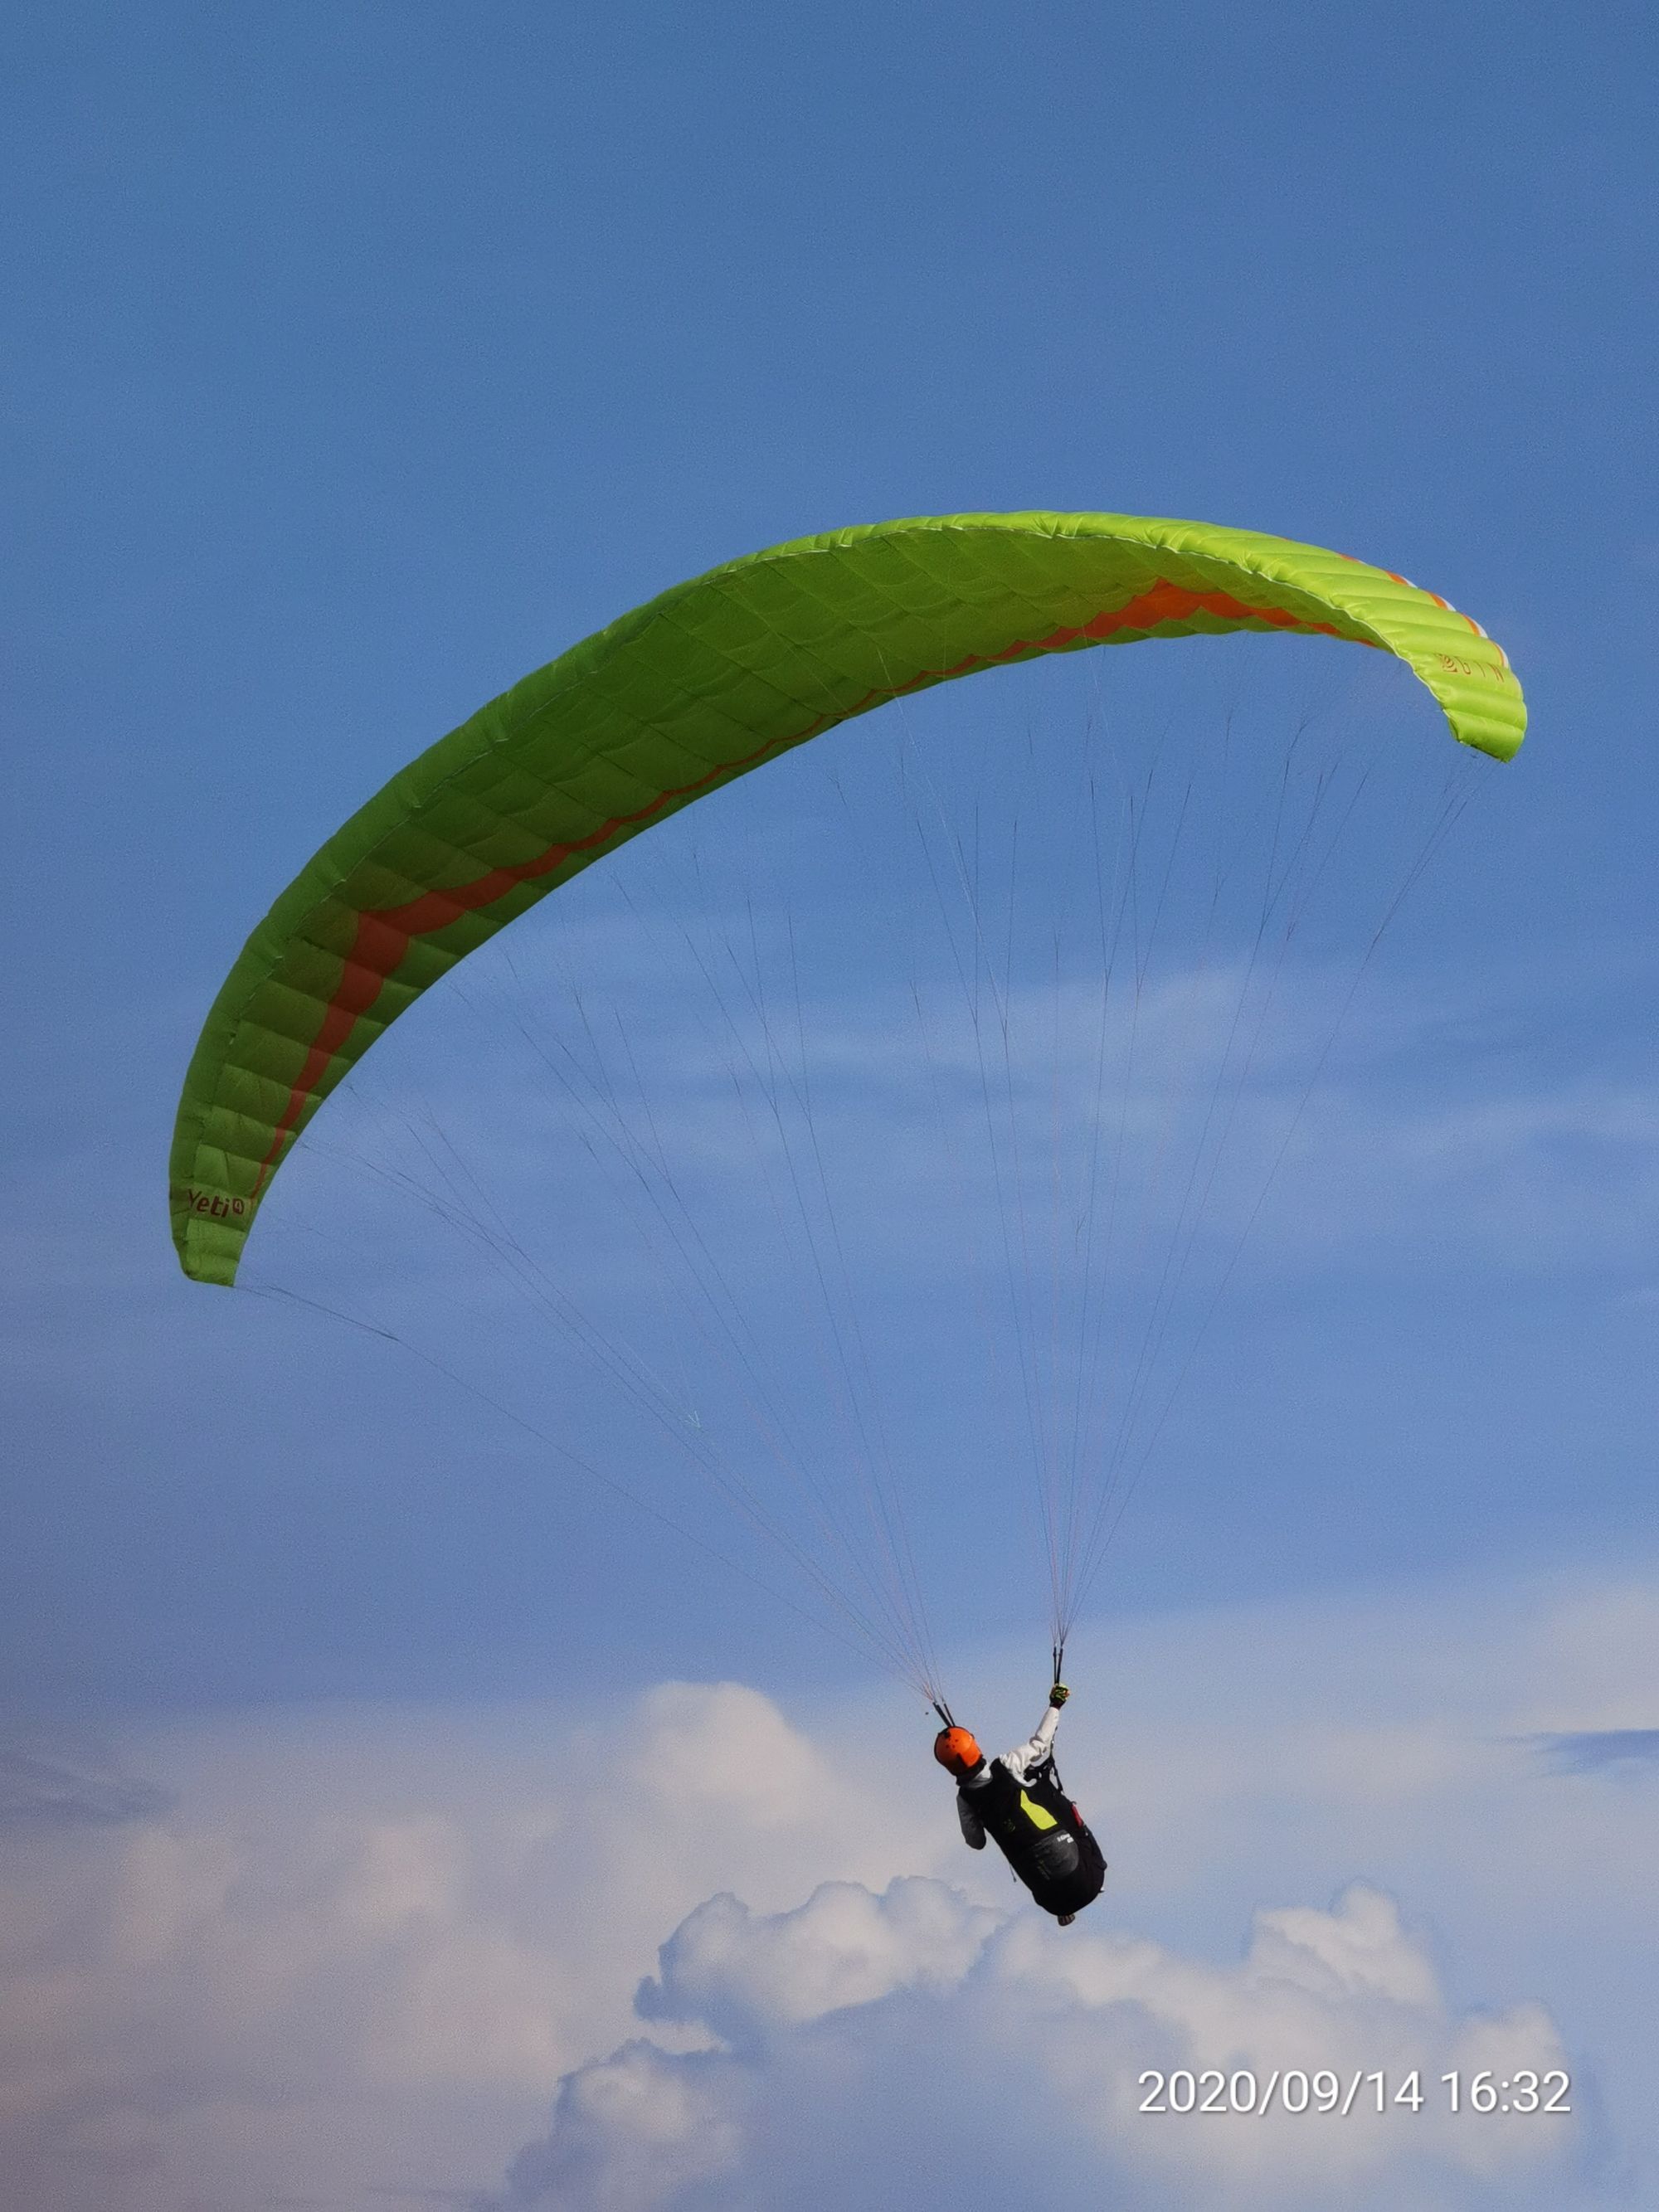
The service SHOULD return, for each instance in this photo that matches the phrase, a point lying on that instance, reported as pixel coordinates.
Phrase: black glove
(1059, 1694)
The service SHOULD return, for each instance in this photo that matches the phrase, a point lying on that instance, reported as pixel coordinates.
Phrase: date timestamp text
(1321, 2090)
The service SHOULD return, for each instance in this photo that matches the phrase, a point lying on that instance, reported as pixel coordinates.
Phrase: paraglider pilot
(1016, 1800)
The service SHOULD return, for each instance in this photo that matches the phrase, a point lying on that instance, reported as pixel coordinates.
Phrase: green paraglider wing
(677, 699)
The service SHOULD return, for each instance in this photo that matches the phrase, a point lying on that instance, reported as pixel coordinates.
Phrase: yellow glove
(1059, 1694)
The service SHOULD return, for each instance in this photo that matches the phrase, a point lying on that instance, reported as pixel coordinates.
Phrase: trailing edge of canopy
(678, 698)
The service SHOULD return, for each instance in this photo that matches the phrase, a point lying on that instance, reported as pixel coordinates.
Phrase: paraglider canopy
(678, 698)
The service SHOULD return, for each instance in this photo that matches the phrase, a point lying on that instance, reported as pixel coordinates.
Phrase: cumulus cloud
(361, 1948)
(356, 1953)
(739, 1975)
(999, 2062)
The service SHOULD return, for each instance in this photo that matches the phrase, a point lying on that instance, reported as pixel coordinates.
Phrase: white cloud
(1003, 2037)
(359, 1951)
(736, 1975)
(361, 1948)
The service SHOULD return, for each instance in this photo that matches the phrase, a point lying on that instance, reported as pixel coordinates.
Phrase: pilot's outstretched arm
(1031, 1754)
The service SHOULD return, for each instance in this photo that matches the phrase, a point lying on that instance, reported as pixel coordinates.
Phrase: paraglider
(683, 695)
(1017, 1798)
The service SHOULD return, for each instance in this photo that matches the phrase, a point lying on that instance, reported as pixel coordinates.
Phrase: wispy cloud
(46, 1782)
(1595, 1751)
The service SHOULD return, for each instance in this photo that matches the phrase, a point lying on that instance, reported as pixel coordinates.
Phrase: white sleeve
(973, 1828)
(1020, 1761)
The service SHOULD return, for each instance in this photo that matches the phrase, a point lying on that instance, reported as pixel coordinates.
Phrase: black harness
(1043, 1836)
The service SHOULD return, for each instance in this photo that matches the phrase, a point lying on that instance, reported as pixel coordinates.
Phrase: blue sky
(360, 358)
(361, 366)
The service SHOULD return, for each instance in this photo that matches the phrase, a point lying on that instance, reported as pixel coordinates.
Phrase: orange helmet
(957, 1749)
